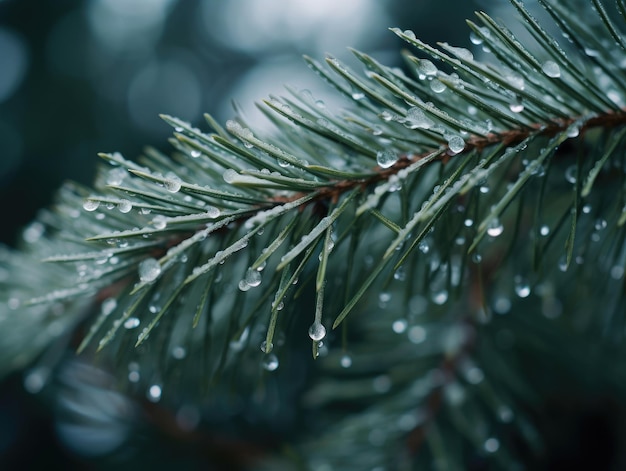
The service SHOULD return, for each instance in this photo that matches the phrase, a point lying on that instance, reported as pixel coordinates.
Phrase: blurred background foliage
(81, 77)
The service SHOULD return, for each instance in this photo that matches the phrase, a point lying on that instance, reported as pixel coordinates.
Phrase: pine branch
(427, 194)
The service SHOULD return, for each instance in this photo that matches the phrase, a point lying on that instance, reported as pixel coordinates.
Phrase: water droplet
(108, 306)
(36, 379)
(474, 375)
(522, 287)
(440, 297)
(495, 228)
(124, 206)
(179, 352)
(409, 34)
(456, 144)
(573, 131)
(570, 174)
(149, 270)
(134, 376)
(252, 278)
(116, 176)
(91, 205)
(505, 414)
(317, 331)
(230, 175)
(600, 224)
(517, 106)
(159, 222)
(131, 323)
(283, 163)
(415, 118)
(358, 95)
(266, 347)
(475, 39)
(423, 246)
(386, 158)
(400, 274)
(491, 445)
(502, 305)
(551, 69)
(154, 393)
(399, 326)
(195, 154)
(270, 362)
(426, 68)
(172, 182)
(437, 86)
(544, 230)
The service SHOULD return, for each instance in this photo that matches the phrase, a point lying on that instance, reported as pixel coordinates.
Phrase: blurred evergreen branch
(448, 239)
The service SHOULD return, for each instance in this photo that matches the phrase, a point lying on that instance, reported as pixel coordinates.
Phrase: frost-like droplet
(91, 205)
(172, 182)
(456, 144)
(270, 362)
(386, 158)
(551, 69)
(149, 270)
(495, 228)
(317, 331)
(124, 206)
(131, 323)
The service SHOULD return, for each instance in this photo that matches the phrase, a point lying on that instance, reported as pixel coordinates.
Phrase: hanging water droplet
(149, 270)
(495, 228)
(426, 68)
(131, 323)
(456, 144)
(252, 278)
(400, 274)
(317, 331)
(551, 69)
(270, 362)
(266, 347)
(345, 361)
(90, 205)
(517, 106)
(475, 39)
(124, 206)
(386, 158)
(172, 182)
(159, 222)
(154, 393)
(570, 174)
(544, 230)
(522, 287)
